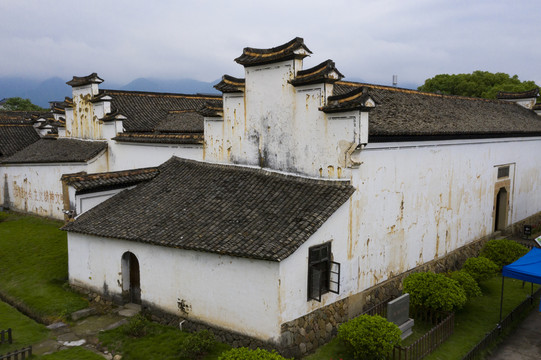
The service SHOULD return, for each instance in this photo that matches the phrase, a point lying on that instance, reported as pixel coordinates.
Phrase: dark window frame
(323, 273)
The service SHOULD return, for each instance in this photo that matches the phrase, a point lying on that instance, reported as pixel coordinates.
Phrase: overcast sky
(368, 40)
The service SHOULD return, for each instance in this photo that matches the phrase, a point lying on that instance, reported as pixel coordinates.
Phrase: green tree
(20, 104)
(481, 84)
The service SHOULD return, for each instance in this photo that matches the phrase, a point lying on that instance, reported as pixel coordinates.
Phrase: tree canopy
(481, 84)
(20, 104)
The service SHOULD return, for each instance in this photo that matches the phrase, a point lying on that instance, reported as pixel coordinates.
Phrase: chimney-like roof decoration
(357, 99)
(502, 95)
(85, 80)
(230, 84)
(211, 110)
(295, 49)
(325, 72)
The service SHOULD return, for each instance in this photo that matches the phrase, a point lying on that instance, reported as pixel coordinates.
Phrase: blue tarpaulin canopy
(527, 268)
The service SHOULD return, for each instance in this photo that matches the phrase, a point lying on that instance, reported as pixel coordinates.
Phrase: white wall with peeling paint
(37, 189)
(417, 202)
(276, 125)
(232, 293)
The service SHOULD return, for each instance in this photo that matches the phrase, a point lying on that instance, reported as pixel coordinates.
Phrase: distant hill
(185, 86)
(55, 89)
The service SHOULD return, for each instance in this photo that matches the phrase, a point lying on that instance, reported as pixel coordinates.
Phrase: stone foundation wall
(305, 334)
(518, 227)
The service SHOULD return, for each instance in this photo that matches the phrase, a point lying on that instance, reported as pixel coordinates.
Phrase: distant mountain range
(55, 88)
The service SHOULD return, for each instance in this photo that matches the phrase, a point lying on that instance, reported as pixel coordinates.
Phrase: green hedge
(369, 337)
(467, 282)
(480, 268)
(503, 251)
(435, 291)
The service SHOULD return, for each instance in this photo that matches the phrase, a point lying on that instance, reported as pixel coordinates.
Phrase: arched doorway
(131, 285)
(500, 218)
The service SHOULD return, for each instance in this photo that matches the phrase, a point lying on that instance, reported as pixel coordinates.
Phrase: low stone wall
(305, 334)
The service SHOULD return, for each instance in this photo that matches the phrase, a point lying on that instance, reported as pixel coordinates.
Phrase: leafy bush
(369, 337)
(480, 268)
(197, 344)
(243, 353)
(503, 251)
(136, 326)
(467, 282)
(434, 291)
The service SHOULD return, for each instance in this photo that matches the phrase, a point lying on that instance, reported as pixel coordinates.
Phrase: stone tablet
(398, 310)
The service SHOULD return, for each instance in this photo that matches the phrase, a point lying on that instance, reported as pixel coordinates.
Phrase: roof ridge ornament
(356, 99)
(294, 49)
(85, 80)
(230, 84)
(326, 72)
(518, 94)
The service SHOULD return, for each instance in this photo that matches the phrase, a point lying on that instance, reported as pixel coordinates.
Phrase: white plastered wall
(417, 202)
(37, 188)
(233, 293)
(125, 156)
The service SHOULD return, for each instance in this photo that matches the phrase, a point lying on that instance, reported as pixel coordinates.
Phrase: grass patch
(34, 267)
(158, 343)
(78, 353)
(25, 331)
(479, 316)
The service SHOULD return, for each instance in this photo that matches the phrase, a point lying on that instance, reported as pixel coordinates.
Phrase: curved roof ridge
(293, 49)
(518, 95)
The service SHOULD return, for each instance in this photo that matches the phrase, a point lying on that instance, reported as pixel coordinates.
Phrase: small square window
(503, 172)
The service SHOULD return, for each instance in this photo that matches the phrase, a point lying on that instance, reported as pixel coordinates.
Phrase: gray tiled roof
(410, 113)
(49, 150)
(83, 182)
(222, 209)
(145, 110)
(252, 56)
(16, 133)
(184, 121)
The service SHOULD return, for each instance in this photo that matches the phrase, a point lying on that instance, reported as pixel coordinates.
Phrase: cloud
(372, 40)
